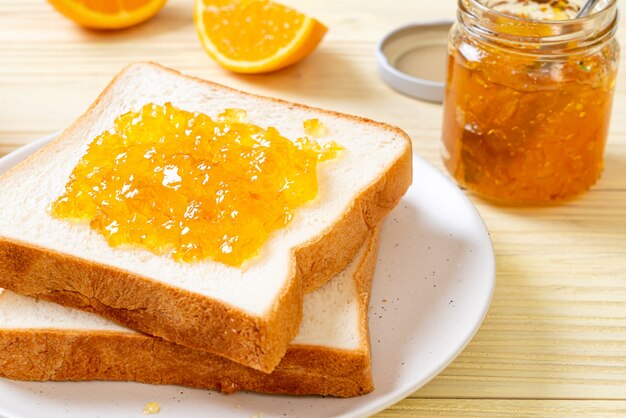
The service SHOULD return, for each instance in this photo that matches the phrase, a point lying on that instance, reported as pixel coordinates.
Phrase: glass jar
(528, 102)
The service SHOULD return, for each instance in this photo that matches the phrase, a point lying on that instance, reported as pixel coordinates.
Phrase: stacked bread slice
(44, 341)
(293, 320)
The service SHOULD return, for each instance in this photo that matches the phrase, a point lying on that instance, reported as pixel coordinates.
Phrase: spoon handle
(587, 8)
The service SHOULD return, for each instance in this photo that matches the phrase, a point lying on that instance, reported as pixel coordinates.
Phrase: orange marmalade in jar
(528, 97)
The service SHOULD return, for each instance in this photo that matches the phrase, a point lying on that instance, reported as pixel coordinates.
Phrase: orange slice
(255, 36)
(108, 14)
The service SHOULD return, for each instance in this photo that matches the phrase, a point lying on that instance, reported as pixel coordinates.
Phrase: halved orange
(255, 36)
(108, 14)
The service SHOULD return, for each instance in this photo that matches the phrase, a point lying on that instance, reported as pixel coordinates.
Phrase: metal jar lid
(412, 59)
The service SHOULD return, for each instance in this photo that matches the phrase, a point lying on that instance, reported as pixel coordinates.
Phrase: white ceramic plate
(433, 285)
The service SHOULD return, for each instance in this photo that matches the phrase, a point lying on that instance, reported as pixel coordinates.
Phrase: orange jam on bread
(314, 128)
(183, 183)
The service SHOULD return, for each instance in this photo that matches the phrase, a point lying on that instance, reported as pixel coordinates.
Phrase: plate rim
(394, 398)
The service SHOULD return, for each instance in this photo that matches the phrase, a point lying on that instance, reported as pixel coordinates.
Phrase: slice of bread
(330, 355)
(248, 314)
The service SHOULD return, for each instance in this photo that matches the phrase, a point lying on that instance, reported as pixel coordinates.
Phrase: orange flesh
(518, 130)
(181, 182)
(260, 28)
(112, 7)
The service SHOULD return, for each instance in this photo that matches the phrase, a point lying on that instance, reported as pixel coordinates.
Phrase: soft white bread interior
(42, 341)
(248, 314)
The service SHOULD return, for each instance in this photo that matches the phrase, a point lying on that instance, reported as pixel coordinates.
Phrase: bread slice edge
(76, 355)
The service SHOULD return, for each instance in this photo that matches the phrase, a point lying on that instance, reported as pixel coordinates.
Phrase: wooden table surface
(554, 340)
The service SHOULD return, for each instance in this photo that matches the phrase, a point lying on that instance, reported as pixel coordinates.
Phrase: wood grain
(499, 408)
(554, 341)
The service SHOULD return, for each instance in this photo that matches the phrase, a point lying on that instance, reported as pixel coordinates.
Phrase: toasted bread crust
(190, 319)
(141, 303)
(59, 355)
(54, 355)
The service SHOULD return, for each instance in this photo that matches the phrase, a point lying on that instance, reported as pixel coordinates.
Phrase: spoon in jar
(587, 8)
